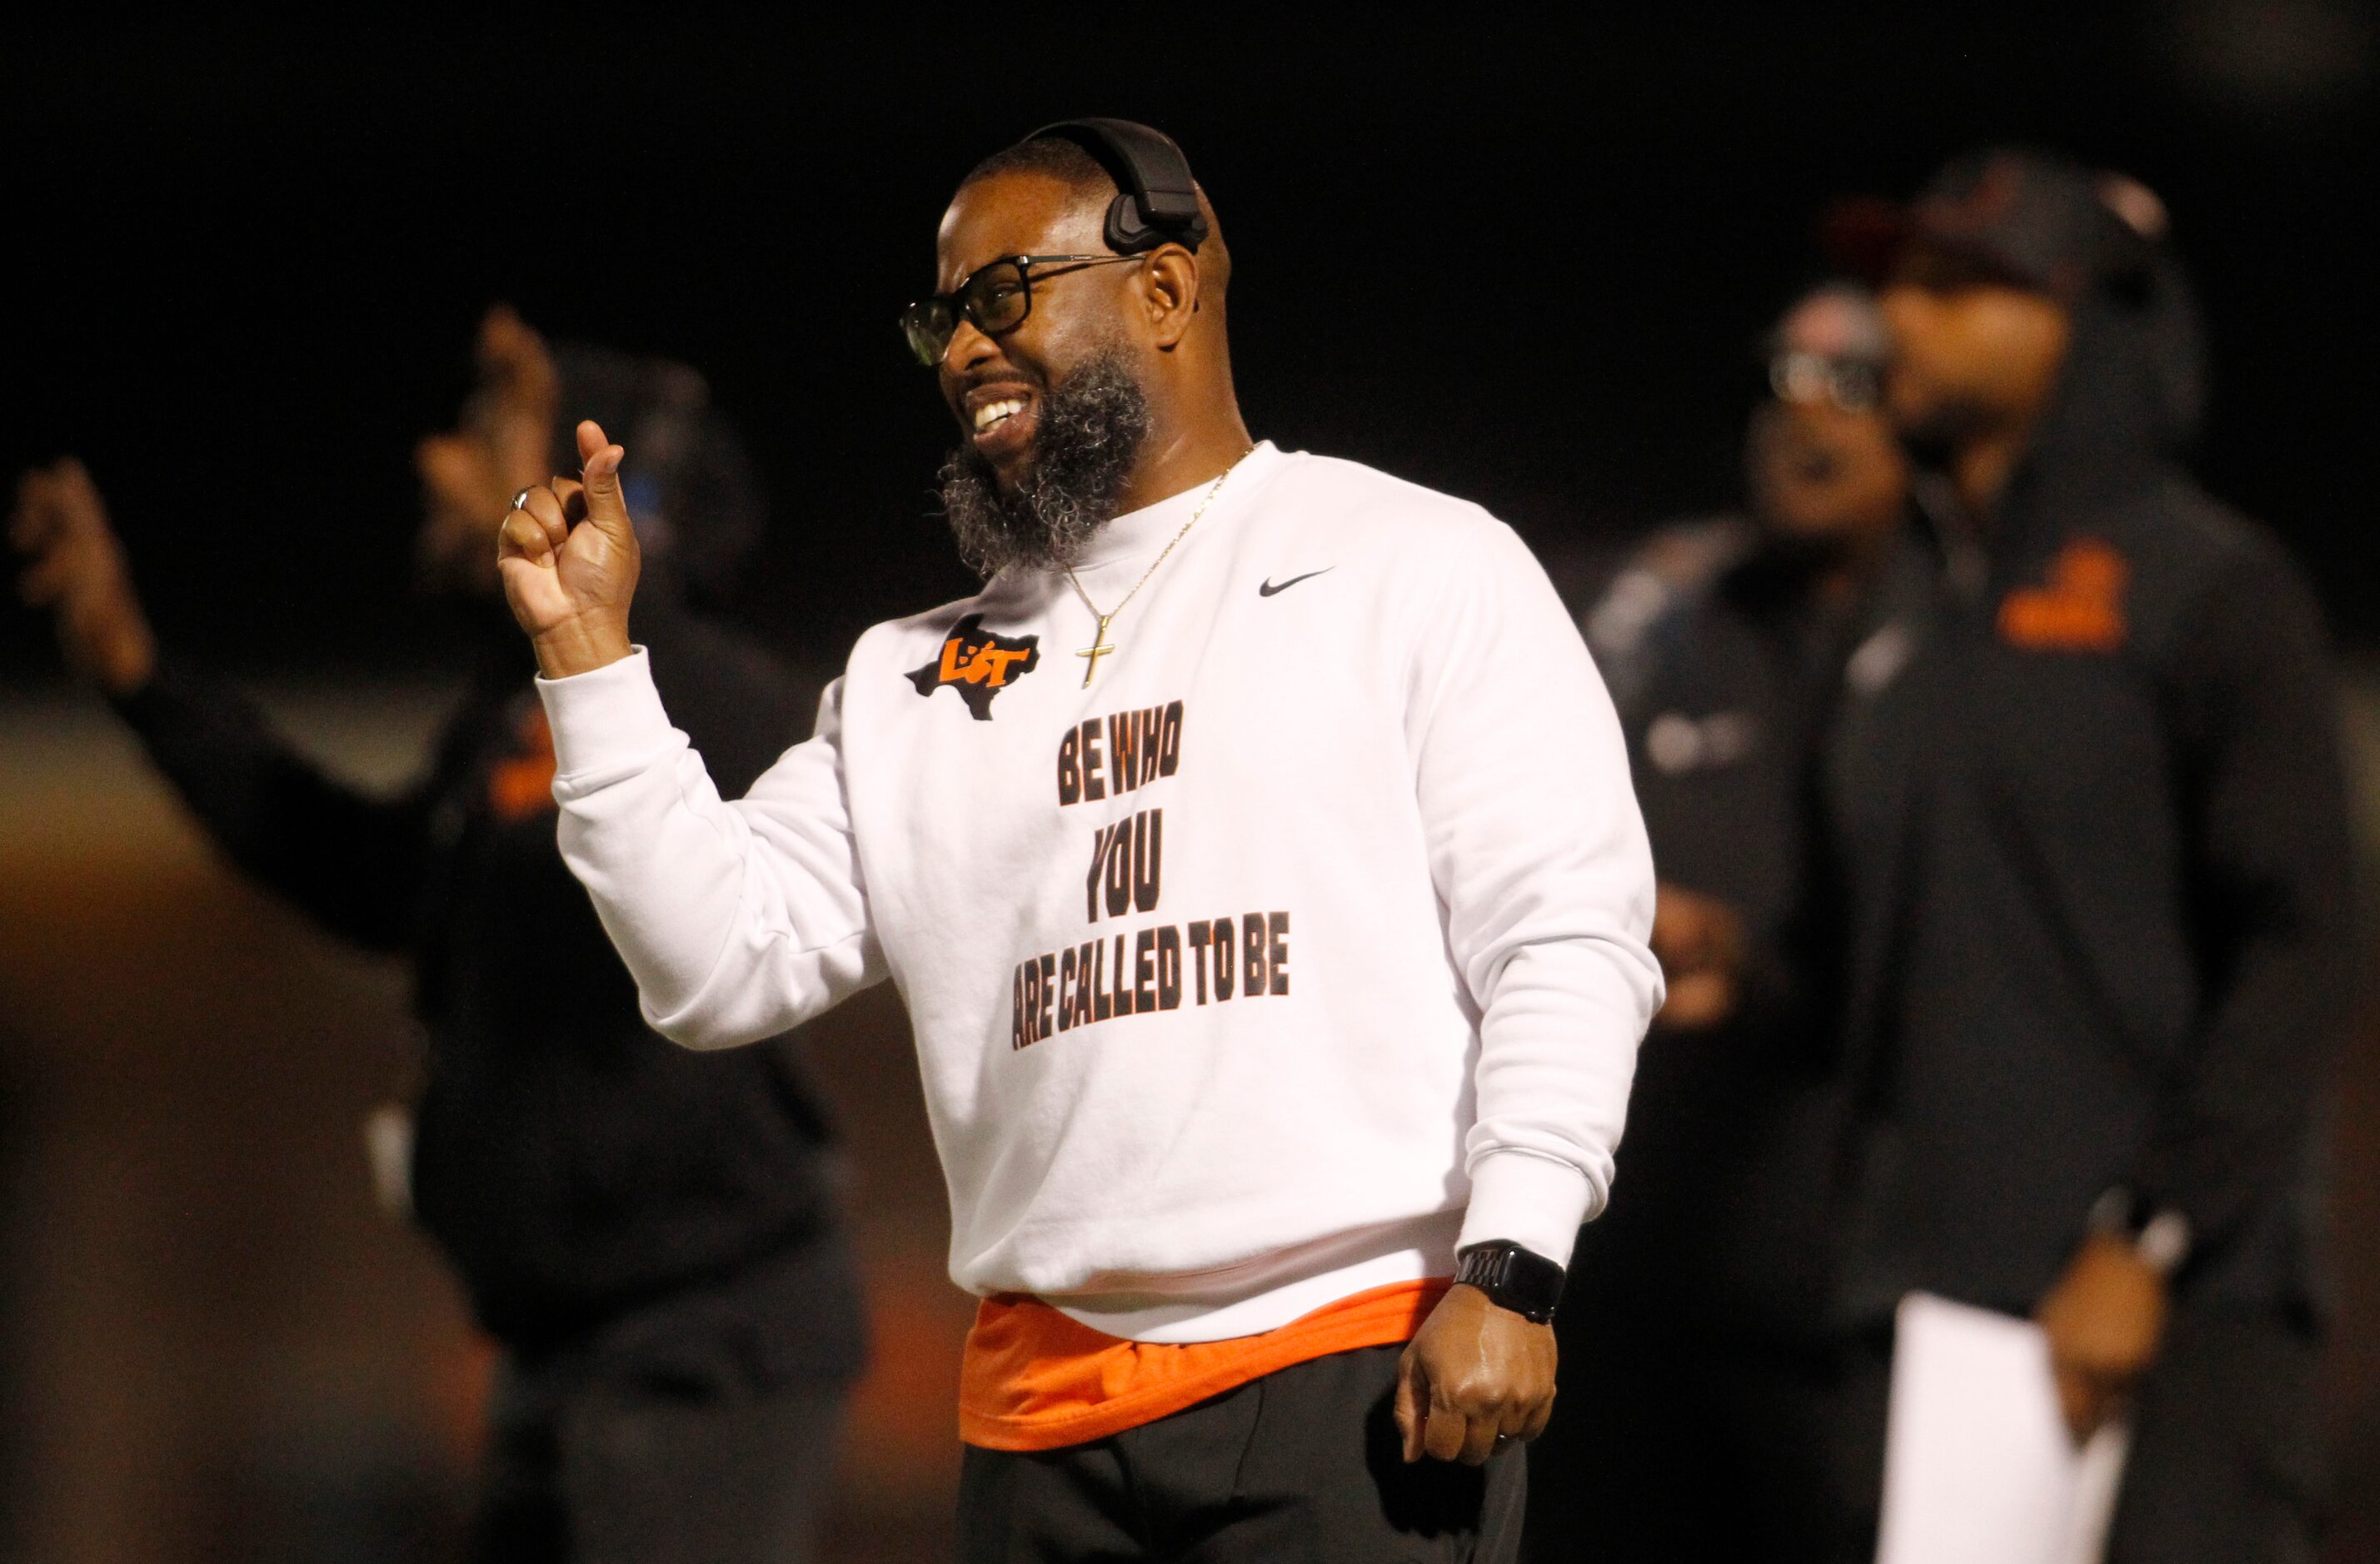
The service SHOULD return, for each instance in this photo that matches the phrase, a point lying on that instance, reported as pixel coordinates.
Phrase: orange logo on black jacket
(2080, 608)
(979, 663)
(520, 785)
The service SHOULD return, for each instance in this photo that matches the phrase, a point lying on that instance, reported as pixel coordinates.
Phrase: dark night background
(1519, 263)
(1522, 264)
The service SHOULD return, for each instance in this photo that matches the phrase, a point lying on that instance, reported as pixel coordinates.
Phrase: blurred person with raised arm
(652, 1235)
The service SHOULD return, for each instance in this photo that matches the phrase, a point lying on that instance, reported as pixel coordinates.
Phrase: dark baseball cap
(2034, 219)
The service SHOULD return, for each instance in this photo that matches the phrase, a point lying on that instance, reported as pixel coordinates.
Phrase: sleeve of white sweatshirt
(1539, 853)
(738, 920)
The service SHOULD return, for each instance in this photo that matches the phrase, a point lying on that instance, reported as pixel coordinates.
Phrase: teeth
(991, 413)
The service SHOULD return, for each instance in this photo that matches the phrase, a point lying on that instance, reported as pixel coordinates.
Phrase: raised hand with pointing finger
(568, 556)
(586, 1179)
(75, 567)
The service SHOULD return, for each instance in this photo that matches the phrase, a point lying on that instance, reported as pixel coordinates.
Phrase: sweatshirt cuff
(1535, 1201)
(155, 701)
(607, 723)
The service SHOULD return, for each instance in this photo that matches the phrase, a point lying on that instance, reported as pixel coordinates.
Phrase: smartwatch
(1514, 1277)
(2160, 1235)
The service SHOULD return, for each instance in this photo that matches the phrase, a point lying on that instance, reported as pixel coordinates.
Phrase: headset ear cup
(1126, 231)
(1139, 159)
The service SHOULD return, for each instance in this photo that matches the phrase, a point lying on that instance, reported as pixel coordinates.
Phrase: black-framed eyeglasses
(996, 296)
(1855, 385)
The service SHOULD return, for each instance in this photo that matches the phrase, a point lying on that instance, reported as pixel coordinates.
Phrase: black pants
(2226, 1466)
(585, 1467)
(1300, 1467)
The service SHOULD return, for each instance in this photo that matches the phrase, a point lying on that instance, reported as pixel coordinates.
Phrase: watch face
(1514, 1277)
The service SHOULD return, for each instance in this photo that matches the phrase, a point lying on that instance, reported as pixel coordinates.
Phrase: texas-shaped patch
(979, 663)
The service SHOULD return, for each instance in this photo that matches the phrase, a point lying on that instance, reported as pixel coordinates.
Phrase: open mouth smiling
(999, 420)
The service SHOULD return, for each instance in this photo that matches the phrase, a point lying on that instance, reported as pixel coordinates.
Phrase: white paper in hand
(1978, 1467)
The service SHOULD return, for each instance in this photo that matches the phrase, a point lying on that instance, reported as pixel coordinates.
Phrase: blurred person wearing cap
(1707, 1348)
(652, 1235)
(2092, 839)
(1257, 858)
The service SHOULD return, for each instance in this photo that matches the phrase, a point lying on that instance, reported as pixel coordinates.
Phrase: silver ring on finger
(520, 501)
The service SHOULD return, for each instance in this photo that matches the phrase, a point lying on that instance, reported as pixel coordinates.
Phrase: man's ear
(1169, 291)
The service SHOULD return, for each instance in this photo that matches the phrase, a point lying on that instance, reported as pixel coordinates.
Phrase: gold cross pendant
(1096, 649)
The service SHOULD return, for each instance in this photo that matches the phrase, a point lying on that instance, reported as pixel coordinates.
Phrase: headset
(1157, 201)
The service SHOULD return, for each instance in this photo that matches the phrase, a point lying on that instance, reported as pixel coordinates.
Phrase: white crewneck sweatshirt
(1303, 945)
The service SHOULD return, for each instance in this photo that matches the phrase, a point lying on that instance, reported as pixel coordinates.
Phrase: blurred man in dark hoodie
(1706, 1349)
(652, 1232)
(2091, 835)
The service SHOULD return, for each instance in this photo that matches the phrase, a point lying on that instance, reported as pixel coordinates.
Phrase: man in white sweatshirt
(1256, 856)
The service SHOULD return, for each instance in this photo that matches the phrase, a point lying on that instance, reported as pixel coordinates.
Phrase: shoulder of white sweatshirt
(1304, 945)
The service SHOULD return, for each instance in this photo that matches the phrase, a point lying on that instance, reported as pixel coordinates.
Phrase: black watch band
(2159, 1234)
(1514, 1277)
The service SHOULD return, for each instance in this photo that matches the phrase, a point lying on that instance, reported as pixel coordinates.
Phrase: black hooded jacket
(2093, 837)
(586, 1177)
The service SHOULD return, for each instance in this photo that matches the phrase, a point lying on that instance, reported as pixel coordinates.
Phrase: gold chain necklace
(1101, 646)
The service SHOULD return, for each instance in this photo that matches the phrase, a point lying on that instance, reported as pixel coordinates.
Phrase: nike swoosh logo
(1268, 589)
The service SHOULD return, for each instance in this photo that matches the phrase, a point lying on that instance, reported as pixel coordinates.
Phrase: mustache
(1003, 375)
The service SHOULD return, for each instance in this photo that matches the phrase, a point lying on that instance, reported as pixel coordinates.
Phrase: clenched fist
(569, 556)
(1475, 1375)
(75, 569)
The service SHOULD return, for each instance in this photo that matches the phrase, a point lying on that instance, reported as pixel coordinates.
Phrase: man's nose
(969, 349)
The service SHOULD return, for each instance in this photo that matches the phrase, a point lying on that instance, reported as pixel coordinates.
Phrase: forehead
(1835, 326)
(1023, 212)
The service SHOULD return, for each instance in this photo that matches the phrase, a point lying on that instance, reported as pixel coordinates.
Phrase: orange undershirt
(1034, 1379)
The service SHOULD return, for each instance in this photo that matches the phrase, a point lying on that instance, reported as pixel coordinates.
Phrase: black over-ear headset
(1157, 201)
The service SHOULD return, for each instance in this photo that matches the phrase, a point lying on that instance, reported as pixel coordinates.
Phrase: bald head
(1092, 189)
(1059, 157)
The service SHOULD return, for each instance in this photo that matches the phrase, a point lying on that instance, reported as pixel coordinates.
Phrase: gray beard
(1093, 428)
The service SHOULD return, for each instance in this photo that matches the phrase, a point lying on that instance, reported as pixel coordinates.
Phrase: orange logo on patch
(979, 663)
(2080, 608)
